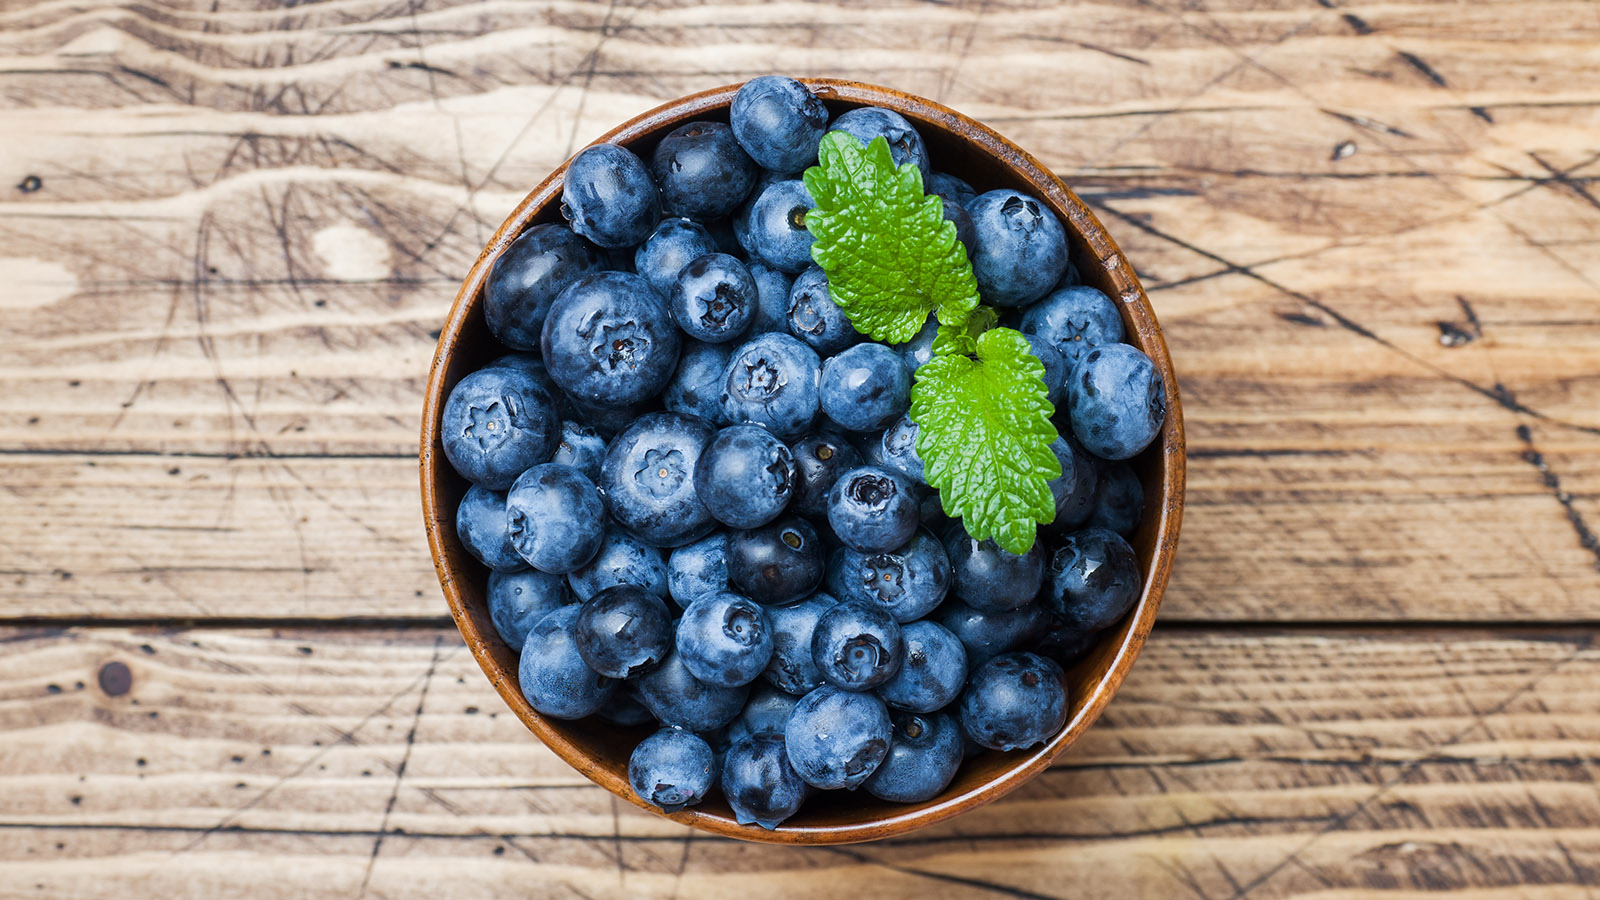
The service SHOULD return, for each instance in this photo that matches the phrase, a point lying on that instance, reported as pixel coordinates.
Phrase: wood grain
(345, 762)
(1371, 232)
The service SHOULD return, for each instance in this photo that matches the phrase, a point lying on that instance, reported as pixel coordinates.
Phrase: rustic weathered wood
(1259, 765)
(1370, 232)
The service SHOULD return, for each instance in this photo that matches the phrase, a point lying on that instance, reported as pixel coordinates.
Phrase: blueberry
(497, 423)
(933, 515)
(760, 784)
(1118, 499)
(778, 563)
(1118, 401)
(609, 340)
(917, 351)
(722, 234)
(556, 518)
(815, 318)
(966, 230)
(1056, 369)
(857, 645)
(607, 421)
(731, 734)
(868, 122)
(873, 508)
(767, 710)
(836, 738)
(648, 479)
(724, 639)
(702, 171)
(864, 388)
(625, 711)
(481, 525)
(609, 198)
(949, 187)
(833, 574)
(620, 560)
(792, 669)
(698, 568)
(1075, 319)
(554, 677)
(923, 758)
(672, 769)
(527, 277)
(1073, 490)
(739, 222)
(1014, 701)
(673, 244)
(776, 228)
(623, 631)
(772, 299)
(531, 364)
(676, 697)
(1094, 579)
(745, 476)
(714, 298)
(582, 448)
(933, 670)
(778, 121)
(988, 578)
(897, 449)
(819, 459)
(909, 581)
(771, 381)
(1064, 643)
(1022, 249)
(1071, 276)
(696, 388)
(988, 634)
(519, 599)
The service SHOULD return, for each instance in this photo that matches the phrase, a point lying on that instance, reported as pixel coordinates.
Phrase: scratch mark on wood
(1478, 721)
(400, 771)
(993, 887)
(949, 79)
(1452, 334)
(1357, 24)
(1097, 48)
(1369, 124)
(1531, 455)
(593, 62)
(1421, 65)
(1565, 179)
(1497, 394)
(420, 64)
(1302, 319)
(226, 823)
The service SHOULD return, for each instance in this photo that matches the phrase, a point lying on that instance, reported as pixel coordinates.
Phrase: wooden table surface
(228, 233)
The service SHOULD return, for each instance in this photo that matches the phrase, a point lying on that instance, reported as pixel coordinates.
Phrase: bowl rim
(1134, 303)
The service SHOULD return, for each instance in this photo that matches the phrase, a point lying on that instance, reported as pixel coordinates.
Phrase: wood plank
(1357, 762)
(205, 538)
(1371, 234)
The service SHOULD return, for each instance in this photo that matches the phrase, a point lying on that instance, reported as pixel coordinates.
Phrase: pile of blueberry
(698, 491)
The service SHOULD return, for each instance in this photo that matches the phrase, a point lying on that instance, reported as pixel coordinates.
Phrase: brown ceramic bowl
(977, 154)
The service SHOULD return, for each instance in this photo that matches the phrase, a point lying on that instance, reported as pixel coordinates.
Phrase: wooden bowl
(964, 148)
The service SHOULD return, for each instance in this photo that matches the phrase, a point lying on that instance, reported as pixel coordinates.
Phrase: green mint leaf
(890, 255)
(962, 337)
(984, 436)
